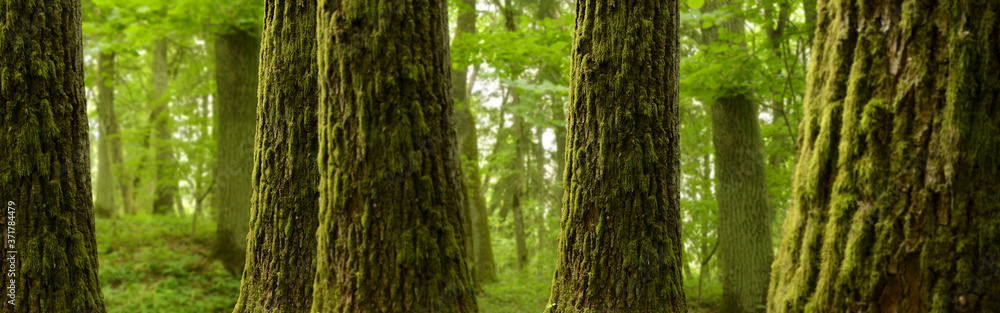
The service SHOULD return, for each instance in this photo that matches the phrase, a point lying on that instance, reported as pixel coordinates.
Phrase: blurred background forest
(157, 71)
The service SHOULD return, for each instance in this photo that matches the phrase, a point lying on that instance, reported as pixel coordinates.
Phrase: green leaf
(696, 4)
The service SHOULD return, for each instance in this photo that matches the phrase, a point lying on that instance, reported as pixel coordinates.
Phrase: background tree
(895, 193)
(236, 57)
(391, 236)
(281, 247)
(745, 217)
(483, 267)
(104, 204)
(46, 183)
(620, 249)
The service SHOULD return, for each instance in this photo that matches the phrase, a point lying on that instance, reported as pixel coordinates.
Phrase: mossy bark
(620, 246)
(483, 265)
(166, 180)
(45, 169)
(281, 246)
(896, 198)
(236, 62)
(390, 237)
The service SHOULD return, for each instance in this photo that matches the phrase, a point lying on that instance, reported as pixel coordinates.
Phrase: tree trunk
(484, 268)
(390, 237)
(104, 206)
(745, 247)
(281, 246)
(45, 181)
(518, 187)
(104, 202)
(620, 248)
(745, 217)
(110, 127)
(166, 180)
(895, 190)
(236, 59)
(520, 141)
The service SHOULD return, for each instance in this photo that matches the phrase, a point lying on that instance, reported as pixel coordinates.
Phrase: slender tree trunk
(745, 217)
(236, 58)
(390, 237)
(109, 119)
(166, 172)
(520, 141)
(896, 191)
(107, 163)
(484, 268)
(104, 204)
(281, 247)
(45, 181)
(620, 248)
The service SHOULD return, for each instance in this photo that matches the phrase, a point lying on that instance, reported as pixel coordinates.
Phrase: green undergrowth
(156, 264)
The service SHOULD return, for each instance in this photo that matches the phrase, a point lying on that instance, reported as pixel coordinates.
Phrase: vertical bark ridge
(896, 195)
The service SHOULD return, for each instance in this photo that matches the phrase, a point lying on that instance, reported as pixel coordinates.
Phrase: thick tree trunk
(895, 191)
(45, 180)
(236, 58)
(620, 248)
(166, 179)
(483, 268)
(281, 247)
(390, 237)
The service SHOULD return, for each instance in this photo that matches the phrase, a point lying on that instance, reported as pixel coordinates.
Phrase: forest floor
(160, 264)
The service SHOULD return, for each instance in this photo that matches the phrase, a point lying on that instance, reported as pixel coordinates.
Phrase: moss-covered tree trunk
(896, 198)
(50, 253)
(620, 246)
(236, 63)
(483, 265)
(390, 237)
(166, 180)
(281, 246)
